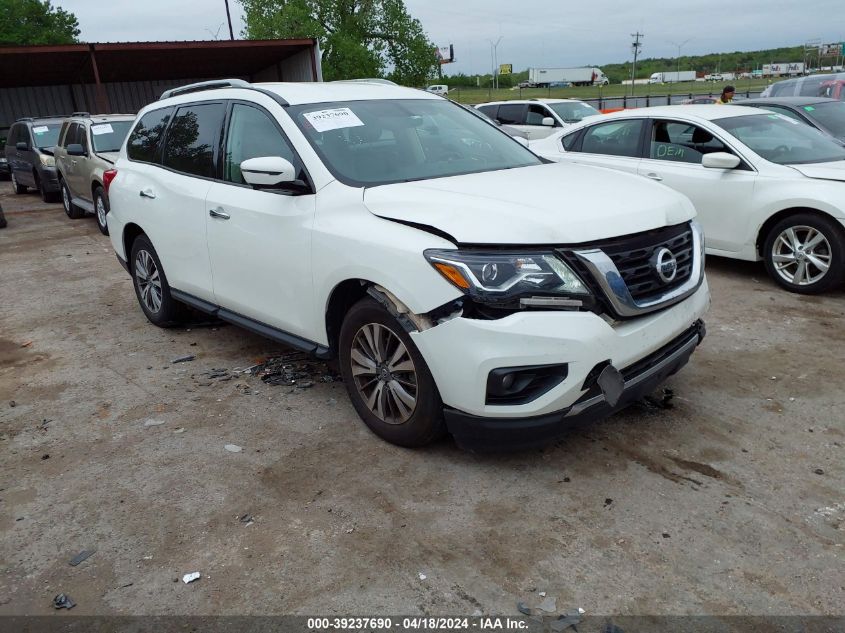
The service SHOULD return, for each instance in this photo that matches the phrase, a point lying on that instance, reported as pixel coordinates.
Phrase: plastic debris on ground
(184, 359)
(570, 619)
(233, 448)
(524, 609)
(152, 422)
(549, 605)
(81, 556)
(295, 369)
(63, 601)
(423, 576)
(188, 578)
(246, 519)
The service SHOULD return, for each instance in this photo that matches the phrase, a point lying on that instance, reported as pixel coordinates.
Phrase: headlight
(47, 161)
(504, 277)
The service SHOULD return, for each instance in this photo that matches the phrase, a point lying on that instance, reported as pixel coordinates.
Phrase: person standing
(727, 95)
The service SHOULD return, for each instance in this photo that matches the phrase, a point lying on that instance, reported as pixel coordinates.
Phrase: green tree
(359, 38)
(36, 22)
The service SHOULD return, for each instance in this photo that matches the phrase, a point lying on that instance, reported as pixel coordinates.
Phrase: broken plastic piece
(187, 578)
(184, 359)
(63, 601)
(549, 605)
(233, 448)
(524, 608)
(81, 556)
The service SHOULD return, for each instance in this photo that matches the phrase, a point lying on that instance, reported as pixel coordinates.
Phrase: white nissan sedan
(765, 186)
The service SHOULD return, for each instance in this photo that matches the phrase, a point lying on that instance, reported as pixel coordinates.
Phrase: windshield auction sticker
(334, 119)
(101, 128)
(40, 129)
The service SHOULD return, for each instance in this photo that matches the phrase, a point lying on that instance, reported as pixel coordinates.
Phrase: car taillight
(108, 176)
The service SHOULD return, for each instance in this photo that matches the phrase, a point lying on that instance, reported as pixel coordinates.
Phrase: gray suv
(88, 146)
(29, 152)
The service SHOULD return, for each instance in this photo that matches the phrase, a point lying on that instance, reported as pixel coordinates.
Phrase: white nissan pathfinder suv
(463, 283)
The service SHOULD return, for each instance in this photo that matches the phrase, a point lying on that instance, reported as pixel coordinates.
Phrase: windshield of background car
(46, 134)
(573, 112)
(108, 137)
(831, 116)
(781, 140)
(367, 143)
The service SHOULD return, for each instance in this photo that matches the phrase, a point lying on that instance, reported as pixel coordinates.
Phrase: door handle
(654, 176)
(218, 213)
(147, 193)
(73, 162)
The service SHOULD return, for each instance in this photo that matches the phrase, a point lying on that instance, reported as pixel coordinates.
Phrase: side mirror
(548, 121)
(75, 149)
(21, 146)
(522, 141)
(720, 160)
(267, 171)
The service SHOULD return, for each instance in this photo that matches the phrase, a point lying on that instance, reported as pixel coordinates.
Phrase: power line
(636, 45)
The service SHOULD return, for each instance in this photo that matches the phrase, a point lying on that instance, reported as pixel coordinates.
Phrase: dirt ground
(731, 502)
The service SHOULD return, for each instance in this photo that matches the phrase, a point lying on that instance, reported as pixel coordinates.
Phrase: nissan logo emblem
(666, 265)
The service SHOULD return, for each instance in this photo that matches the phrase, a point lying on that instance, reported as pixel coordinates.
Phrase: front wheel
(805, 253)
(387, 379)
(151, 287)
(19, 188)
(101, 207)
(46, 196)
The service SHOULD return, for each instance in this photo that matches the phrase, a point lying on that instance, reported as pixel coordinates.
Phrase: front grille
(633, 257)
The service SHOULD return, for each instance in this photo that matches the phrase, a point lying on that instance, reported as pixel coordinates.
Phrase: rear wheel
(101, 208)
(805, 253)
(387, 379)
(151, 287)
(72, 211)
(19, 188)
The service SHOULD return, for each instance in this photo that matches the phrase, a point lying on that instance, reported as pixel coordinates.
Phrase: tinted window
(489, 110)
(783, 111)
(251, 134)
(512, 113)
(617, 138)
(830, 115)
(63, 136)
(568, 141)
(536, 114)
(193, 139)
(145, 140)
(108, 136)
(682, 143)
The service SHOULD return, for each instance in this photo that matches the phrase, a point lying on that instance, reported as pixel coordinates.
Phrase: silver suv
(88, 146)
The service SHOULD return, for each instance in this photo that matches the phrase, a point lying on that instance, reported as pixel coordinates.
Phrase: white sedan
(765, 186)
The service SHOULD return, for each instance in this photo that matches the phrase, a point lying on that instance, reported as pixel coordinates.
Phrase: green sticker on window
(809, 108)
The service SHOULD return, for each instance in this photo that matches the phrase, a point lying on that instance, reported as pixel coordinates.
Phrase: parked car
(88, 146)
(765, 187)
(453, 273)
(440, 89)
(526, 84)
(29, 152)
(826, 115)
(538, 117)
(4, 164)
(831, 85)
(507, 129)
(700, 100)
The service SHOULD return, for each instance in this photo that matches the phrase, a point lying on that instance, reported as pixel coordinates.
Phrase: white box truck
(671, 77)
(544, 77)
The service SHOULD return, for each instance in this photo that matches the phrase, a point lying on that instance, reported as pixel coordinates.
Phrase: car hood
(109, 156)
(823, 171)
(545, 204)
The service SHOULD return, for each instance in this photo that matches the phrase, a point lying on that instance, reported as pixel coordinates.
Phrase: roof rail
(80, 114)
(25, 118)
(205, 85)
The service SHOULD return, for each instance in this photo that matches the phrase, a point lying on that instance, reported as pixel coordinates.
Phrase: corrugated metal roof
(141, 61)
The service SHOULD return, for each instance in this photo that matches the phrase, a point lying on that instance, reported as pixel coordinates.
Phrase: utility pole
(636, 46)
(680, 46)
(494, 59)
(229, 18)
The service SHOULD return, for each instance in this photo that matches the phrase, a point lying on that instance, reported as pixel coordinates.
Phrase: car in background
(439, 89)
(538, 117)
(765, 186)
(507, 129)
(826, 115)
(830, 85)
(29, 152)
(88, 146)
(434, 256)
(703, 100)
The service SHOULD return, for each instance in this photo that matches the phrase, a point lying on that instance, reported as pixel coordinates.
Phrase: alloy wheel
(801, 255)
(65, 198)
(101, 211)
(149, 281)
(384, 373)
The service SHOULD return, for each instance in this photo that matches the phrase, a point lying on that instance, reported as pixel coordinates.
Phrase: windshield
(46, 135)
(830, 115)
(573, 112)
(366, 143)
(781, 140)
(108, 137)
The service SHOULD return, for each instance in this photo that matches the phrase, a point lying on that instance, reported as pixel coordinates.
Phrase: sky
(532, 33)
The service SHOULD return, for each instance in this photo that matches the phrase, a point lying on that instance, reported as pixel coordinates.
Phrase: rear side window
(193, 139)
(489, 110)
(568, 141)
(145, 140)
(615, 138)
(511, 113)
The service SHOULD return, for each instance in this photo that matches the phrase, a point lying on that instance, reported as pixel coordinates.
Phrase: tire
(407, 409)
(805, 274)
(72, 211)
(151, 287)
(101, 210)
(46, 196)
(17, 187)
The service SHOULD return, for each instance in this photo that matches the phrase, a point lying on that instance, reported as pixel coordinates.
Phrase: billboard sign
(505, 69)
(445, 54)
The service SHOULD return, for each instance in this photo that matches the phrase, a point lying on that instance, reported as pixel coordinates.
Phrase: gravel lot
(731, 502)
